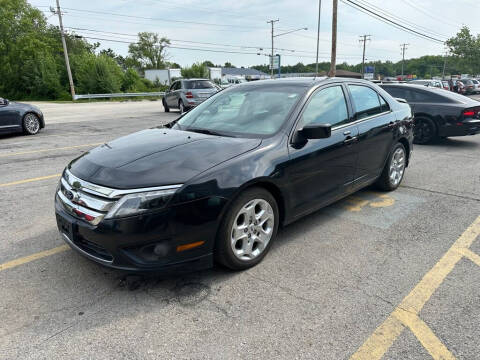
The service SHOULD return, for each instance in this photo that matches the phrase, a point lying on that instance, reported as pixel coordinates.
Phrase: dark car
(17, 117)
(219, 181)
(438, 113)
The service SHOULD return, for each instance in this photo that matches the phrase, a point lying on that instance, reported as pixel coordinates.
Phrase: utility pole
(271, 58)
(404, 47)
(333, 59)
(65, 52)
(364, 39)
(444, 65)
(318, 34)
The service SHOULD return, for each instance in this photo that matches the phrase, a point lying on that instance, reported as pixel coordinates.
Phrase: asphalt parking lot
(377, 274)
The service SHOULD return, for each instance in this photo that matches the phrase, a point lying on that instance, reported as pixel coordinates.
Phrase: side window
(172, 87)
(383, 104)
(366, 101)
(327, 106)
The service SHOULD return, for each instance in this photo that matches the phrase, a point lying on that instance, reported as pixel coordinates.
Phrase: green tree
(197, 70)
(466, 48)
(150, 51)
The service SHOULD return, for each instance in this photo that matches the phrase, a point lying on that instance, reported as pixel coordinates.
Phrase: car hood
(156, 157)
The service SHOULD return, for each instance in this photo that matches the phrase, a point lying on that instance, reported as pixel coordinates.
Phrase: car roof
(438, 91)
(195, 79)
(306, 81)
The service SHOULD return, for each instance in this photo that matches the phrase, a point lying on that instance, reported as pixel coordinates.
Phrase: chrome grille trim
(71, 207)
(84, 199)
(109, 192)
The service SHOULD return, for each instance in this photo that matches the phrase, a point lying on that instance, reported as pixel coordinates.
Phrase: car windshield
(199, 84)
(243, 110)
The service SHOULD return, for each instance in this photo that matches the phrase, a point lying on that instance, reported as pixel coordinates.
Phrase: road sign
(368, 76)
(276, 62)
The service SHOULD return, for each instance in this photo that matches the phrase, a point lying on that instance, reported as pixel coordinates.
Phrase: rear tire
(394, 170)
(31, 124)
(181, 107)
(248, 229)
(424, 131)
(165, 106)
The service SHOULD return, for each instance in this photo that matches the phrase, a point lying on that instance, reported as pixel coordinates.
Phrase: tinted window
(172, 87)
(365, 100)
(199, 84)
(327, 106)
(396, 92)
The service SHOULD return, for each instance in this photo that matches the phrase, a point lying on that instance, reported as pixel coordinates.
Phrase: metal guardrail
(117, 95)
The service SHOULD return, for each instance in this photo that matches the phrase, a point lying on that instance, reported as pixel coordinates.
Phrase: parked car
(438, 113)
(17, 117)
(187, 93)
(429, 83)
(227, 82)
(216, 183)
(476, 85)
(469, 86)
(446, 85)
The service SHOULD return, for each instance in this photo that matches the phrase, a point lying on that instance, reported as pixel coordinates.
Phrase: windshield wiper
(205, 131)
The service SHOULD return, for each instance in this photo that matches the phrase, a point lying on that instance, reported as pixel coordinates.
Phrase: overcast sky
(244, 23)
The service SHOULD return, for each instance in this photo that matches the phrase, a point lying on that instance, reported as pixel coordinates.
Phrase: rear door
(322, 170)
(376, 128)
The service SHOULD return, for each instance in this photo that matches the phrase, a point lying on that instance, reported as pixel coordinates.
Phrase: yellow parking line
(36, 256)
(50, 149)
(469, 254)
(424, 334)
(383, 337)
(29, 180)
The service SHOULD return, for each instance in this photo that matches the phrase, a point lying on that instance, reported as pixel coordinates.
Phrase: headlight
(134, 204)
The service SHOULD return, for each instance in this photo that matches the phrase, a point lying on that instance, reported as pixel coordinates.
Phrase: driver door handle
(350, 139)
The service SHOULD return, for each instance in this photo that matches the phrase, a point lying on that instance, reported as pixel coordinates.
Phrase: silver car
(187, 93)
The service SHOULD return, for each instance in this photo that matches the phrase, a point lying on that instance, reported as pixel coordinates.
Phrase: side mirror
(319, 131)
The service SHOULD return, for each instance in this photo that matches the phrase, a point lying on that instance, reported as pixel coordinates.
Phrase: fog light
(160, 249)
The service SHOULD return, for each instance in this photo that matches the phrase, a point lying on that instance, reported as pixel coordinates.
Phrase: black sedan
(218, 182)
(438, 113)
(17, 117)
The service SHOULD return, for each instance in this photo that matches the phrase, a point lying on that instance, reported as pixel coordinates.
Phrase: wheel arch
(407, 146)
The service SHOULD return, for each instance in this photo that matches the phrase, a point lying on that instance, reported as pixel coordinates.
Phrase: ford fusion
(216, 184)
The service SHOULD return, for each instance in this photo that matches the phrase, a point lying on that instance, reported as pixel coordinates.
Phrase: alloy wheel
(397, 166)
(32, 125)
(423, 132)
(252, 229)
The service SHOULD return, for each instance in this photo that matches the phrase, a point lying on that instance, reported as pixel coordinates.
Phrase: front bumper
(147, 242)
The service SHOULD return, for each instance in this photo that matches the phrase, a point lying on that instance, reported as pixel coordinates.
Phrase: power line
(402, 20)
(389, 21)
(162, 19)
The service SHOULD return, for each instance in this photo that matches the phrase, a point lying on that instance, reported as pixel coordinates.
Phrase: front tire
(31, 124)
(165, 106)
(247, 230)
(394, 170)
(424, 131)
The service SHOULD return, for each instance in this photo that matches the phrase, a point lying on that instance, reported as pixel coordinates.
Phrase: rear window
(199, 84)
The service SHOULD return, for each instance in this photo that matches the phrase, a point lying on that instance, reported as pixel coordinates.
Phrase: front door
(9, 117)
(322, 170)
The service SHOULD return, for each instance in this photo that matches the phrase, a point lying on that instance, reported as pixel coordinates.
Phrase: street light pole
(271, 58)
(65, 52)
(318, 34)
